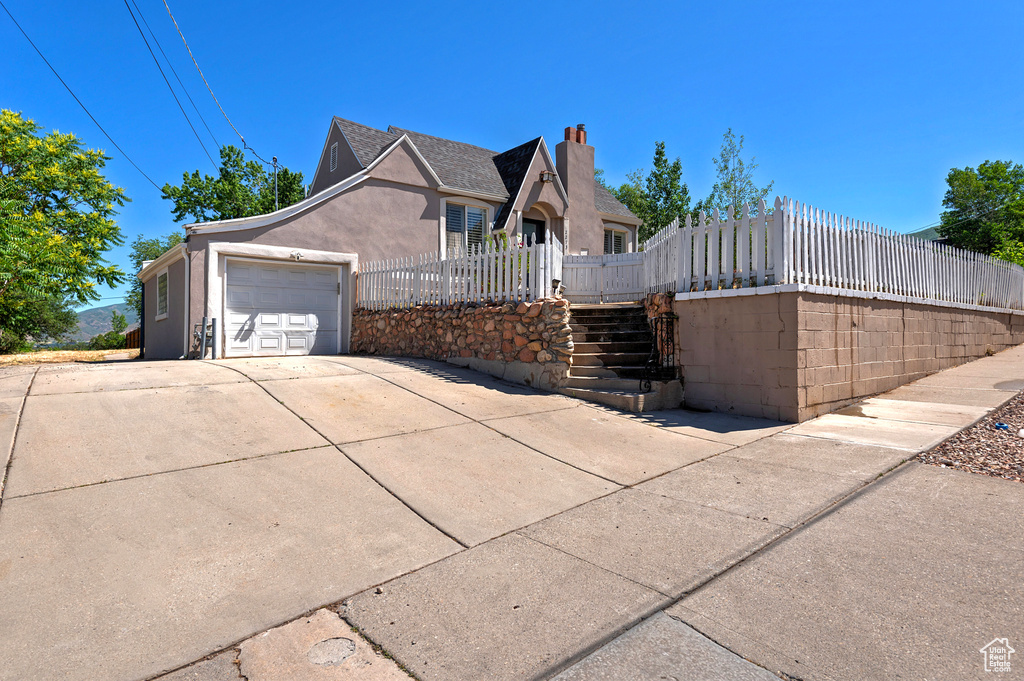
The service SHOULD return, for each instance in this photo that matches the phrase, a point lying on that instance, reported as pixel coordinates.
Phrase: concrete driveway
(155, 512)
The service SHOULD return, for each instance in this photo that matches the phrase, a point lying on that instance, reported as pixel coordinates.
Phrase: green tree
(241, 189)
(118, 322)
(30, 319)
(735, 185)
(144, 249)
(985, 208)
(56, 220)
(658, 198)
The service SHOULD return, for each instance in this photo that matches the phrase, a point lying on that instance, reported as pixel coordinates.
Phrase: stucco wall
(585, 229)
(348, 164)
(165, 339)
(796, 355)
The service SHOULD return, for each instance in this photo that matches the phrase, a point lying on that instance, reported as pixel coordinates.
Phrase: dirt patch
(62, 356)
(985, 448)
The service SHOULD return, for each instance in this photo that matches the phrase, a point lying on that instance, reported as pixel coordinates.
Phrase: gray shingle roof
(605, 202)
(459, 165)
(465, 166)
(513, 166)
(367, 142)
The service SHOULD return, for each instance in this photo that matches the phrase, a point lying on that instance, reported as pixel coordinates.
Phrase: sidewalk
(908, 574)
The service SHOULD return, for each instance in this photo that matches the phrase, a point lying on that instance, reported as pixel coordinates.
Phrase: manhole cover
(331, 652)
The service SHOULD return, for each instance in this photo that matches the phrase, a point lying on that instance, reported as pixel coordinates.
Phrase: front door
(533, 231)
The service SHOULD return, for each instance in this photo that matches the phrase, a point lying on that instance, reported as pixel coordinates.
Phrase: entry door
(274, 308)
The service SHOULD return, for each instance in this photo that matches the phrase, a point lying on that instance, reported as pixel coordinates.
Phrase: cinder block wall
(796, 355)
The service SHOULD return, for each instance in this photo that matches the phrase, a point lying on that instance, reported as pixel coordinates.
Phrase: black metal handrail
(661, 365)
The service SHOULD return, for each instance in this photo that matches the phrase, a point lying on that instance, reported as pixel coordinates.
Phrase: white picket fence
(795, 244)
(800, 244)
(488, 272)
(604, 278)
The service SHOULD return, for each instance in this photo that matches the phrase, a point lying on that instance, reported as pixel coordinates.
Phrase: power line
(245, 145)
(176, 76)
(72, 93)
(173, 94)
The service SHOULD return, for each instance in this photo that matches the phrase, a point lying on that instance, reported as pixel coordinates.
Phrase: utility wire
(176, 76)
(244, 143)
(72, 93)
(173, 94)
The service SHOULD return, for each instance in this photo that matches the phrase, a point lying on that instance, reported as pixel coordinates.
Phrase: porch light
(547, 176)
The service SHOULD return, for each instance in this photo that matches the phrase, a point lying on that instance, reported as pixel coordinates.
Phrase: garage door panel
(281, 309)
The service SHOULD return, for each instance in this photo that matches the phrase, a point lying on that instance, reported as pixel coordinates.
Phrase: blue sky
(860, 108)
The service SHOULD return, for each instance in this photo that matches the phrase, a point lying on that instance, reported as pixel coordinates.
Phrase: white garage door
(280, 309)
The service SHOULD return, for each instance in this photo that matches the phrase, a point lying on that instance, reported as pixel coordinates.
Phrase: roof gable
(459, 165)
(367, 143)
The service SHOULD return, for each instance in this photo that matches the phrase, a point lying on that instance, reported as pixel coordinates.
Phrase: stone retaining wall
(527, 343)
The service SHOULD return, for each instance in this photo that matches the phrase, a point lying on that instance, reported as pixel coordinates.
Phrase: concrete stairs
(612, 343)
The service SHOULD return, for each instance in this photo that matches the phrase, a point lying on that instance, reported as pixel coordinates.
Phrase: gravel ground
(61, 356)
(985, 449)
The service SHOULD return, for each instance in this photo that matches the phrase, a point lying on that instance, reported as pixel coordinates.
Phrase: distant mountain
(930, 234)
(96, 320)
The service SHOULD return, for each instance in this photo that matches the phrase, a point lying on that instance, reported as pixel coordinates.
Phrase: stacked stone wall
(487, 336)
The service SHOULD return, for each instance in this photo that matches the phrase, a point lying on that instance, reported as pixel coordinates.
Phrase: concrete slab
(663, 543)
(754, 488)
(477, 395)
(825, 456)
(909, 579)
(319, 647)
(606, 444)
(17, 370)
(950, 379)
(384, 365)
(508, 609)
(10, 407)
(77, 378)
(915, 437)
(15, 385)
(733, 430)
(360, 407)
(218, 668)
(67, 440)
(915, 411)
(474, 483)
(130, 579)
(664, 648)
(282, 368)
(969, 397)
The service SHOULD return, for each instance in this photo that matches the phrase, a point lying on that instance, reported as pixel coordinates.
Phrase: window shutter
(608, 245)
(161, 294)
(618, 242)
(334, 157)
(474, 226)
(453, 243)
(455, 218)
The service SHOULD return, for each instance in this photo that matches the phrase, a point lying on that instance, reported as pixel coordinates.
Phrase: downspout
(142, 323)
(188, 301)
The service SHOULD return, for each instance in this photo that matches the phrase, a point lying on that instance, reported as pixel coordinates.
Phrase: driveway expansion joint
(14, 440)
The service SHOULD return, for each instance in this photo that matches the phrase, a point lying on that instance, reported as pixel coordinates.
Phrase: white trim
(831, 291)
(626, 240)
(217, 253)
(152, 267)
(160, 316)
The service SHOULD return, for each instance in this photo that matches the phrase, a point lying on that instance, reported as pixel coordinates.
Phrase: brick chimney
(574, 159)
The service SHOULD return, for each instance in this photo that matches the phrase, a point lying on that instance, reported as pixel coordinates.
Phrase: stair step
(631, 348)
(620, 399)
(602, 383)
(612, 337)
(610, 358)
(601, 371)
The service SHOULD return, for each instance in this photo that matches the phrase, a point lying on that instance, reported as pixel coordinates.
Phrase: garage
(281, 308)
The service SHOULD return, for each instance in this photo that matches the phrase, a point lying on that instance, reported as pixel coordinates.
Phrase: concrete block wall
(795, 355)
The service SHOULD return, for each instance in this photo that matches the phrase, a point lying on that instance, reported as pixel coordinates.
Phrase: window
(161, 296)
(464, 227)
(614, 241)
(334, 157)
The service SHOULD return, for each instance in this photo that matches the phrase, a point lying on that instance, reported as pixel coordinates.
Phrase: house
(282, 283)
